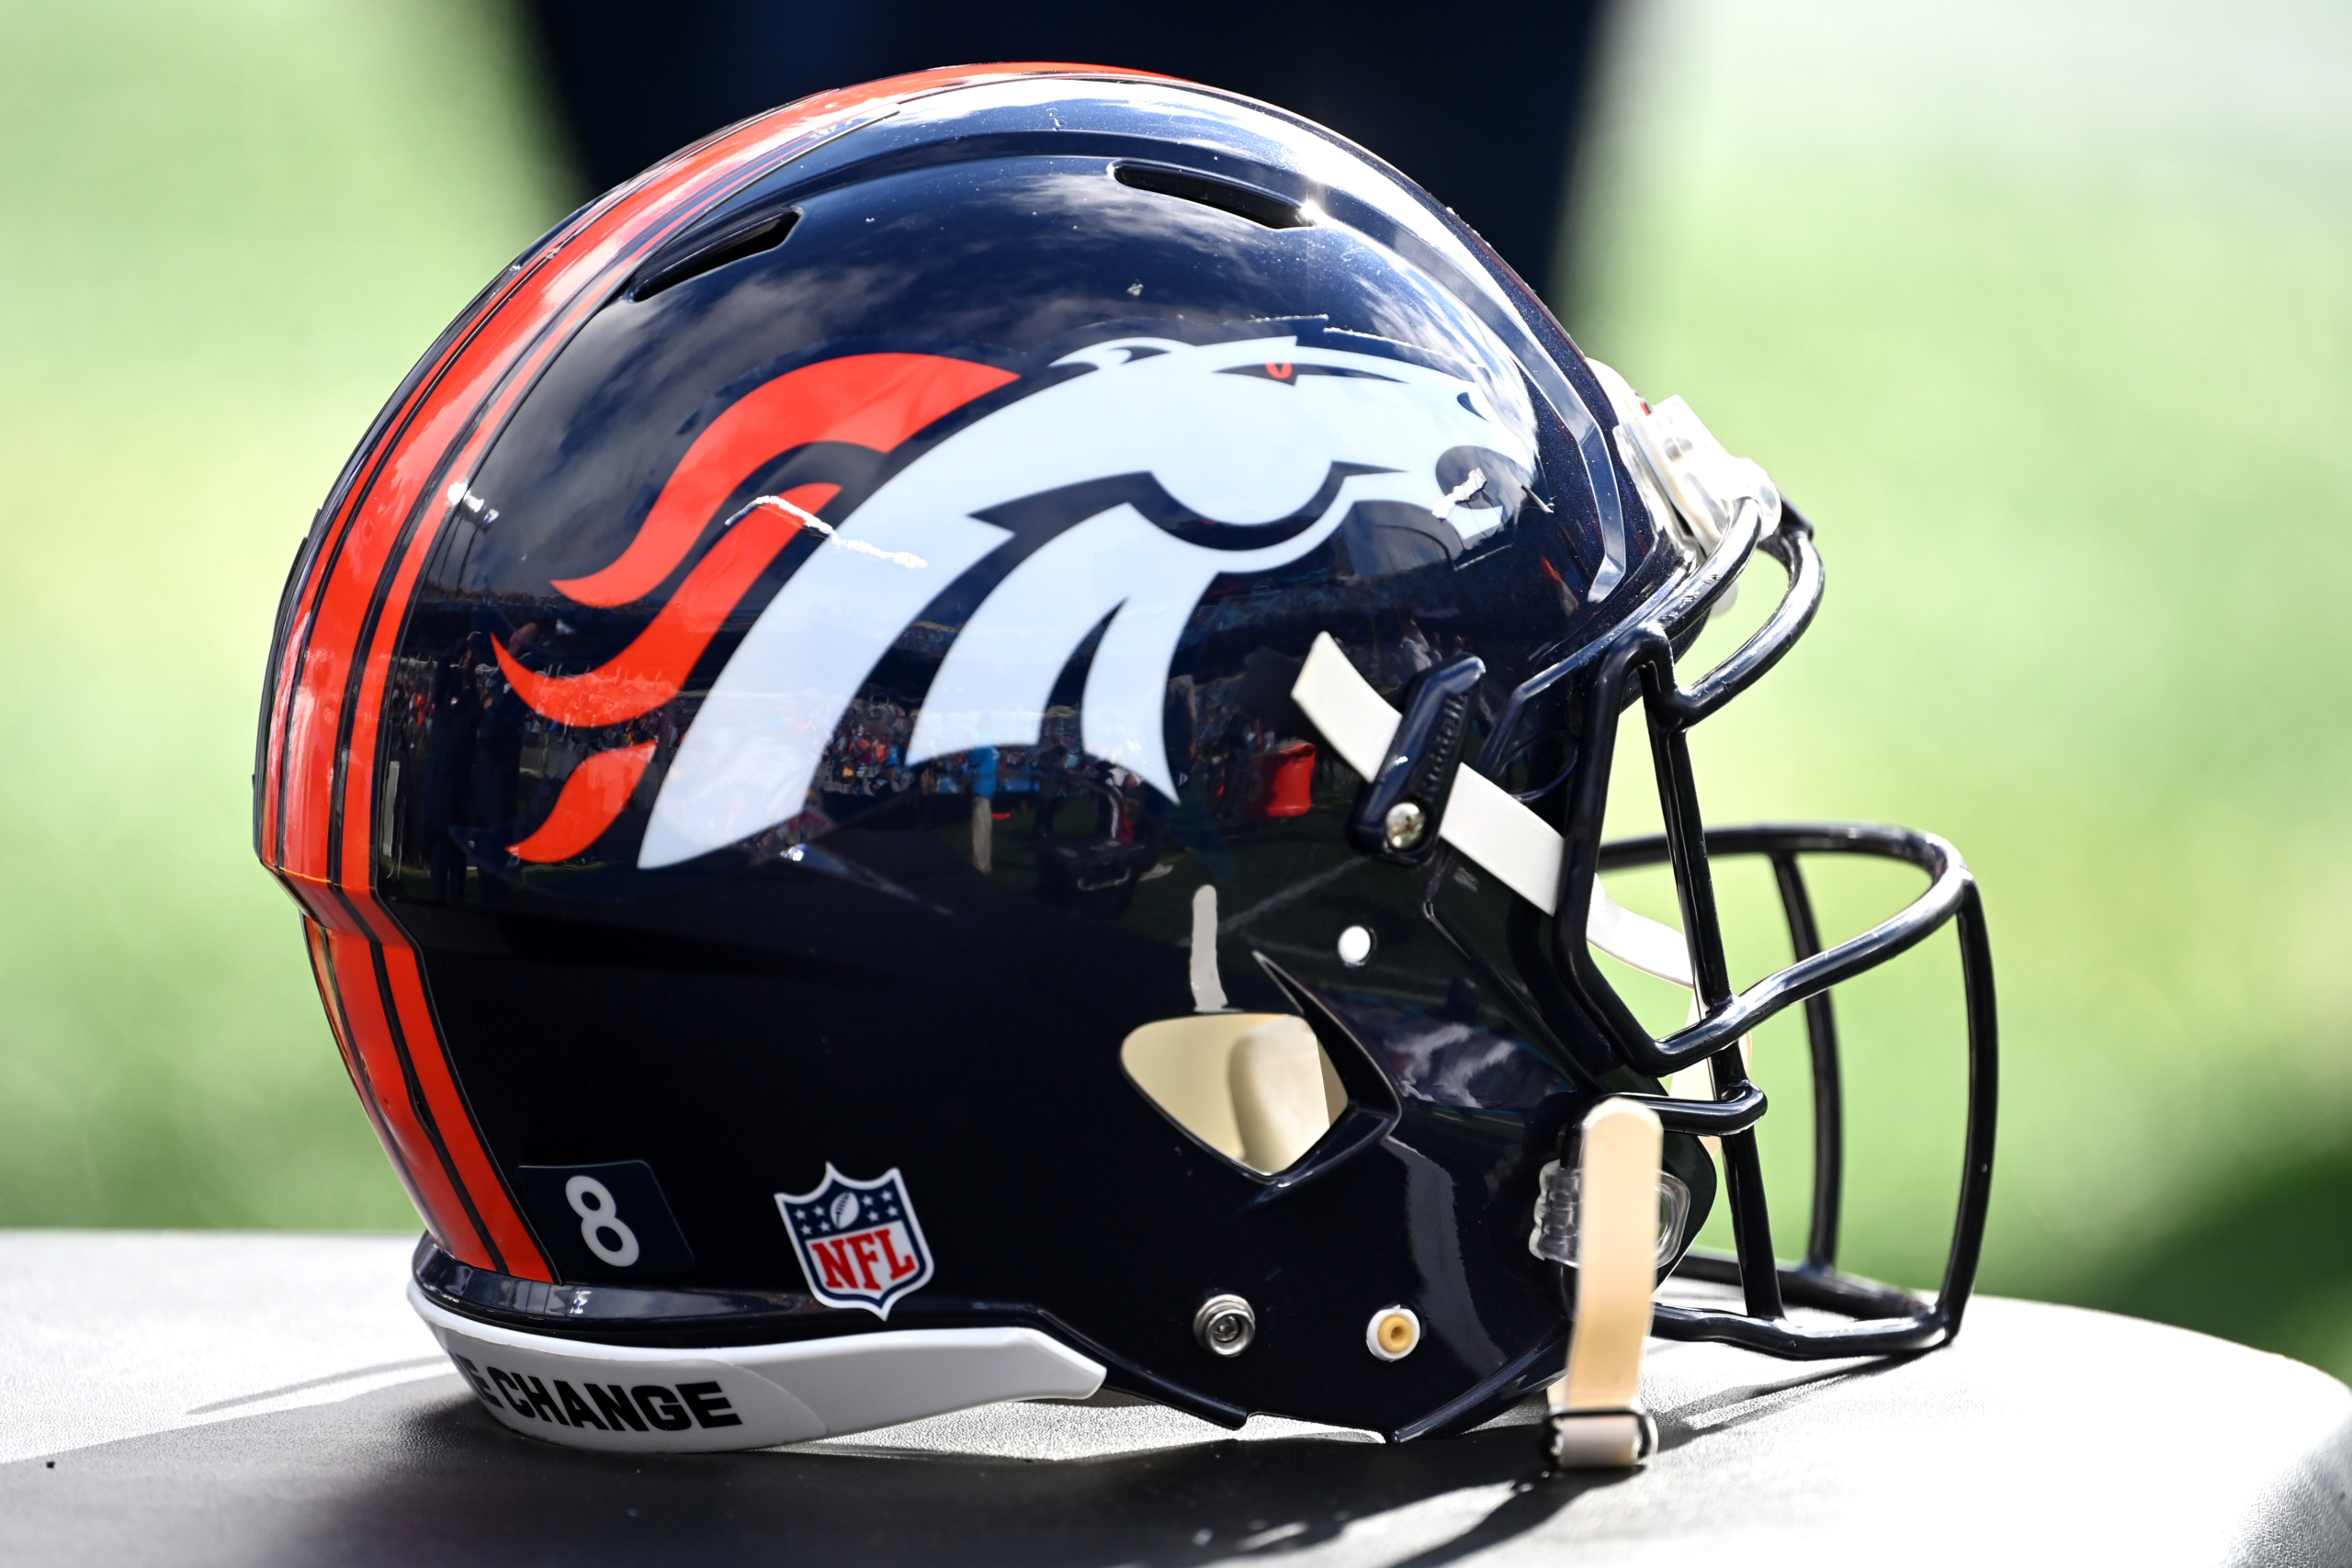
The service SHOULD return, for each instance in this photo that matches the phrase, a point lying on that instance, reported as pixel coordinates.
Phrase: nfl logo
(858, 1241)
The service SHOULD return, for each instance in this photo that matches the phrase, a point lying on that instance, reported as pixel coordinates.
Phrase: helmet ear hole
(1257, 1088)
(1276, 1076)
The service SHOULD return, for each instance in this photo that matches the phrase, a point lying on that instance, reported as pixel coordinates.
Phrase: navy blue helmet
(955, 746)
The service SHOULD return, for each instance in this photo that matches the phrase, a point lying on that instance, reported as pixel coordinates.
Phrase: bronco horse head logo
(1114, 493)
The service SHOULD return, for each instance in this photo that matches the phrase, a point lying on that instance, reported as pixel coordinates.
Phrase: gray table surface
(254, 1399)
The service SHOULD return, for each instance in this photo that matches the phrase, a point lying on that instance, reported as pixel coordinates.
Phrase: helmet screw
(1225, 1325)
(1394, 1333)
(1405, 825)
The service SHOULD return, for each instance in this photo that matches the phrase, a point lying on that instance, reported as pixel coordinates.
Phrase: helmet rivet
(1394, 1333)
(1405, 825)
(1225, 1325)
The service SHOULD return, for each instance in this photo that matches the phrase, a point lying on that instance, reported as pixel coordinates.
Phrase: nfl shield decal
(859, 1242)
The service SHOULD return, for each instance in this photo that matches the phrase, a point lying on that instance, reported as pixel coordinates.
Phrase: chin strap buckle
(1596, 1421)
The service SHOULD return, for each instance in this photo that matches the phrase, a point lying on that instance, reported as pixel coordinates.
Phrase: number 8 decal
(593, 1202)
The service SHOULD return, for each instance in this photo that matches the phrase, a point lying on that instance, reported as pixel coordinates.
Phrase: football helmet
(955, 748)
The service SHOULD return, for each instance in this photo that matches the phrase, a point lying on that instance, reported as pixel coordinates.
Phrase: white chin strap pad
(1597, 1416)
(644, 1399)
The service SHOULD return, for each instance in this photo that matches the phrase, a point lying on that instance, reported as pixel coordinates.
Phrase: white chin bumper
(747, 1397)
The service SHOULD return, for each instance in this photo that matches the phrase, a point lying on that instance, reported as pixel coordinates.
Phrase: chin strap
(1597, 1422)
(1502, 836)
(1505, 838)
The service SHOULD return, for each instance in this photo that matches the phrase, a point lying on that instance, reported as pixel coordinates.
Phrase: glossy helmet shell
(849, 924)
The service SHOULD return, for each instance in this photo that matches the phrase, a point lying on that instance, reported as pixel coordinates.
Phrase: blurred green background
(2043, 312)
(226, 230)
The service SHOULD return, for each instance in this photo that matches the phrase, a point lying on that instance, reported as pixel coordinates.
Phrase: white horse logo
(1261, 445)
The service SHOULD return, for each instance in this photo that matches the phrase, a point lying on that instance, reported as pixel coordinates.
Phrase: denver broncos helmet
(955, 746)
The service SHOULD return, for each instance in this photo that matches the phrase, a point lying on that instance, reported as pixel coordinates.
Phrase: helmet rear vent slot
(1262, 207)
(751, 240)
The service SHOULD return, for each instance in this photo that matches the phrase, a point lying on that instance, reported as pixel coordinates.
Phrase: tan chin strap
(1598, 1421)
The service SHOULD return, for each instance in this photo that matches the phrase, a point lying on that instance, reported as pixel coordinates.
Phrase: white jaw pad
(645, 1399)
(1481, 818)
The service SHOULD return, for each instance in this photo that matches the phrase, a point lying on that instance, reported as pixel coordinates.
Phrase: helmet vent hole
(749, 241)
(1261, 208)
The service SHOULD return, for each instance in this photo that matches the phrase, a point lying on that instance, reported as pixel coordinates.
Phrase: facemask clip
(1397, 811)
